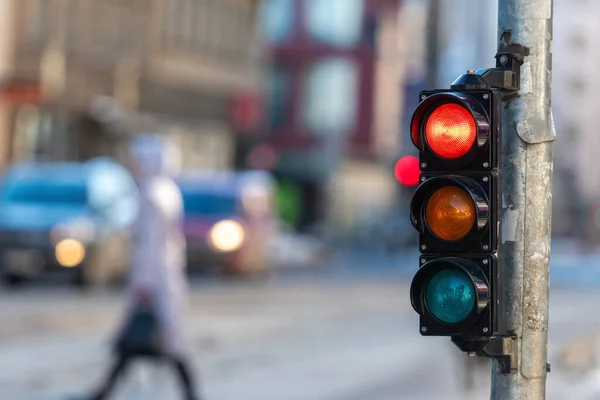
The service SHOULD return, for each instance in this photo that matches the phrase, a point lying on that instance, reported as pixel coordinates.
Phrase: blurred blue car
(74, 217)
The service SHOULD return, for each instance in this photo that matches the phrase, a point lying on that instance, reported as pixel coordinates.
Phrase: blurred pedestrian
(153, 321)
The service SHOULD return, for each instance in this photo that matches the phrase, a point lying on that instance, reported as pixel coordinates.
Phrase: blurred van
(229, 217)
(70, 217)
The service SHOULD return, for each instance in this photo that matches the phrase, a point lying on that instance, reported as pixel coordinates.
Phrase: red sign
(21, 93)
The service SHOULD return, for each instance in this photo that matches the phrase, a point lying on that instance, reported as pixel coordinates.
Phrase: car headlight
(69, 252)
(227, 235)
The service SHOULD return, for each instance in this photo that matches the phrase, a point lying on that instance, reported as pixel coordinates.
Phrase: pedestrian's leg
(117, 370)
(186, 379)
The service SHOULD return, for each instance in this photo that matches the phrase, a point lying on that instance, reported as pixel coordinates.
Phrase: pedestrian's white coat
(158, 254)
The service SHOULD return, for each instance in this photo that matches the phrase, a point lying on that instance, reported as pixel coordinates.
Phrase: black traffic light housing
(457, 209)
(475, 171)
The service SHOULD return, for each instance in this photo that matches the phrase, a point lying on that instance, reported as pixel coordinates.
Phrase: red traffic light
(407, 171)
(450, 130)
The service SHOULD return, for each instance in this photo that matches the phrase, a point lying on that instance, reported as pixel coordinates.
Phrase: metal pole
(528, 135)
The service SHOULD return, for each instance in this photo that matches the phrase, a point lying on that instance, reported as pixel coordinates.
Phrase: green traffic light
(450, 296)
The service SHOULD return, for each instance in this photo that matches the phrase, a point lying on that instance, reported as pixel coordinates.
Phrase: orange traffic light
(450, 213)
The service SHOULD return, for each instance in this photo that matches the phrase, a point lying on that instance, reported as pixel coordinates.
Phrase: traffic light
(407, 171)
(455, 209)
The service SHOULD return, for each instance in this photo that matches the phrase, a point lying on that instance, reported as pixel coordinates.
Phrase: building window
(234, 23)
(187, 20)
(202, 26)
(579, 41)
(39, 21)
(370, 31)
(105, 35)
(331, 97)
(278, 93)
(335, 22)
(572, 132)
(180, 23)
(137, 29)
(577, 85)
(172, 22)
(32, 133)
(216, 27)
(277, 20)
(213, 28)
(75, 25)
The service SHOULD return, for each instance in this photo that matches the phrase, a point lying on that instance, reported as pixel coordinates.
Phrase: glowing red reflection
(407, 171)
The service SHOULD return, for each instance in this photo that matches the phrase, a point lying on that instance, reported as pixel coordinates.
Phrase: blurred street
(269, 147)
(345, 331)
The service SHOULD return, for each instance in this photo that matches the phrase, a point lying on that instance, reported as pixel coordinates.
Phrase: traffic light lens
(450, 296)
(450, 213)
(450, 131)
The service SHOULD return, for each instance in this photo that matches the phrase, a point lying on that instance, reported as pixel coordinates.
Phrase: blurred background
(292, 116)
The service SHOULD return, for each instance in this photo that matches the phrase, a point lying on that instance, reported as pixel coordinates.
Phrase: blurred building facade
(466, 37)
(575, 104)
(333, 100)
(78, 77)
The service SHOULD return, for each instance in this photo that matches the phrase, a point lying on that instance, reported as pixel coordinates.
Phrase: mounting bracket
(504, 350)
(505, 76)
(501, 348)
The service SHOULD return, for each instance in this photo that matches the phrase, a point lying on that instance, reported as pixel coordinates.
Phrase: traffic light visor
(450, 213)
(450, 296)
(414, 130)
(450, 131)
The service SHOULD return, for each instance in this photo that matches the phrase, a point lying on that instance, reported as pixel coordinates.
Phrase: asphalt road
(332, 334)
